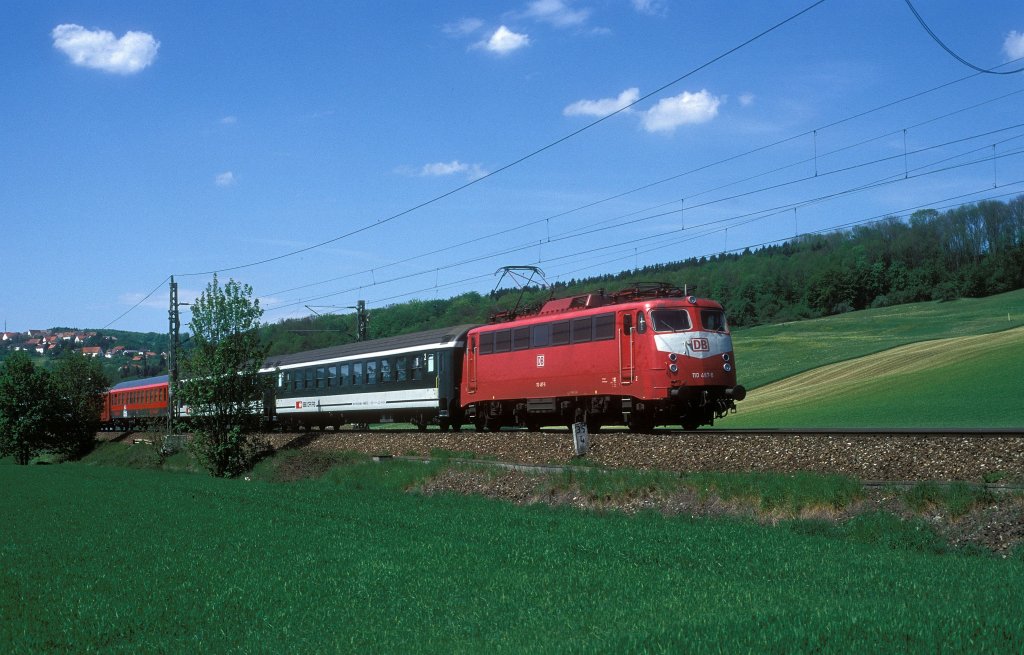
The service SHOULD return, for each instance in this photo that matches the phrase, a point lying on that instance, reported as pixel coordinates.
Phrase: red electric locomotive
(134, 404)
(646, 356)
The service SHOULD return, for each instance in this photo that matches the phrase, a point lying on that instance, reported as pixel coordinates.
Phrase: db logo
(700, 345)
(540, 361)
(298, 404)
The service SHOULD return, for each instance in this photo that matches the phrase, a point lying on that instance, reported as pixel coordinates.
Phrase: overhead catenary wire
(733, 220)
(603, 225)
(521, 159)
(546, 220)
(945, 47)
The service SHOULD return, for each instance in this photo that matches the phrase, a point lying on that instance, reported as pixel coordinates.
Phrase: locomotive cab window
(641, 323)
(712, 319)
(670, 320)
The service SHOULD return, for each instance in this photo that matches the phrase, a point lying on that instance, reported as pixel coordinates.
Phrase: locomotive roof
(144, 382)
(440, 337)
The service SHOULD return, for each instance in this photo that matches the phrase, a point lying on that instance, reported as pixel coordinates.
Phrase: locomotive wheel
(690, 423)
(494, 424)
(478, 423)
(640, 423)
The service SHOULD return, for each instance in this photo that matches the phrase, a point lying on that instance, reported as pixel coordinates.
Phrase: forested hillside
(973, 250)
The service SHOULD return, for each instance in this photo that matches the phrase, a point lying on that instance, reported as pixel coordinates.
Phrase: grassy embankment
(115, 559)
(963, 367)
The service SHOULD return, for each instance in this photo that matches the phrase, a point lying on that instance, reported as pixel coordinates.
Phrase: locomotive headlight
(727, 368)
(693, 300)
(673, 368)
(725, 357)
(672, 357)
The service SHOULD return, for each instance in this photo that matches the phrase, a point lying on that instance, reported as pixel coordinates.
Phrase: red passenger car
(646, 356)
(135, 403)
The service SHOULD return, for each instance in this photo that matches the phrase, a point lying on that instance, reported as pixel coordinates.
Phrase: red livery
(645, 356)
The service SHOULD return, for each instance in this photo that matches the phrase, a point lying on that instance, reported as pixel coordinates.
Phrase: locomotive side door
(471, 355)
(626, 333)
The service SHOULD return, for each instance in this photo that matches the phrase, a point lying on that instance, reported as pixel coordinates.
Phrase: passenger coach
(412, 378)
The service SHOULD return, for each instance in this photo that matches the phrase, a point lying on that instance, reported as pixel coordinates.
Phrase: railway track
(982, 456)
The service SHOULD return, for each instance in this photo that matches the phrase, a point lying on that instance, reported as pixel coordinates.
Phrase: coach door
(471, 355)
(626, 334)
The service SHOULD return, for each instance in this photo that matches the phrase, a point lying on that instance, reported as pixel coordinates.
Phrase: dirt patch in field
(996, 526)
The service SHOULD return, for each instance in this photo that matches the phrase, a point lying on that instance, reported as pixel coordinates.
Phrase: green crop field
(969, 382)
(770, 353)
(102, 558)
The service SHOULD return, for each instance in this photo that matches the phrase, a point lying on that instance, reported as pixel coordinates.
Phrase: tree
(24, 415)
(221, 382)
(77, 386)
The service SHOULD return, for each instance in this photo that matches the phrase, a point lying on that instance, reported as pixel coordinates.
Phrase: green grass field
(770, 353)
(103, 558)
(963, 382)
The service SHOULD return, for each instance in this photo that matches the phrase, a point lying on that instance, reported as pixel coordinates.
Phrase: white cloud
(463, 27)
(504, 41)
(684, 109)
(746, 99)
(650, 7)
(228, 120)
(604, 106)
(100, 49)
(1013, 46)
(557, 13)
(225, 179)
(440, 169)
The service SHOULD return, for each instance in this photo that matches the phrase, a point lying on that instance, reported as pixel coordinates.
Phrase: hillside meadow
(103, 558)
(960, 382)
(770, 353)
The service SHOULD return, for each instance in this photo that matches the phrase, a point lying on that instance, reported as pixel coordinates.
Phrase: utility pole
(361, 320)
(174, 338)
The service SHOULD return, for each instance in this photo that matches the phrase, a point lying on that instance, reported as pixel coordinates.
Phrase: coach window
(540, 335)
(401, 373)
(321, 377)
(641, 322)
(604, 327)
(521, 338)
(582, 330)
(332, 375)
(385, 370)
(371, 372)
(486, 343)
(343, 378)
(502, 341)
(560, 333)
(357, 373)
(417, 367)
(310, 379)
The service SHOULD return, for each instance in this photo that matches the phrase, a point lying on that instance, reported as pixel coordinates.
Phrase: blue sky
(143, 140)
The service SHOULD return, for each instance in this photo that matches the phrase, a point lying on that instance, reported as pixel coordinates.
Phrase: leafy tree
(77, 385)
(24, 415)
(222, 386)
